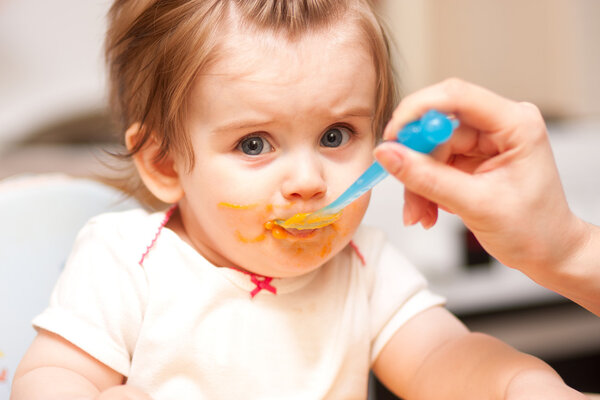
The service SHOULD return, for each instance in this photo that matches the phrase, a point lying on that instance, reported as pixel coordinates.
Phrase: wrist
(557, 251)
(575, 243)
(572, 267)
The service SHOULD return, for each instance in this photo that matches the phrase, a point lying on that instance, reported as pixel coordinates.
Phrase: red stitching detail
(358, 253)
(162, 225)
(261, 282)
(265, 283)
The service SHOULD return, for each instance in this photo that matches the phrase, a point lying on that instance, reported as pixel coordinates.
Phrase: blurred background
(53, 118)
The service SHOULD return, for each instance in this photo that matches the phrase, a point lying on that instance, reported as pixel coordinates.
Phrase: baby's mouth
(300, 233)
(279, 232)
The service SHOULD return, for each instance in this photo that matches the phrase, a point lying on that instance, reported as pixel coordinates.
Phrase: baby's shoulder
(120, 223)
(121, 229)
(109, 245)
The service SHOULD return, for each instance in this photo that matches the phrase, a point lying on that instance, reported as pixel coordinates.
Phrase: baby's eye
(335, 137)
(254, 145)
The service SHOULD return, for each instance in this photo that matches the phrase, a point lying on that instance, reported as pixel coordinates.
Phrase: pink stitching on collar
(265, 283)
(358, 253)
(261, 282)
(160, 228)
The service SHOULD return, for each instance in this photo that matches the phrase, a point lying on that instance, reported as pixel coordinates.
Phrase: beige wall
(543, 51)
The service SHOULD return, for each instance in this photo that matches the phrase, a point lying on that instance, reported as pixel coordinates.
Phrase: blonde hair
(156, 48)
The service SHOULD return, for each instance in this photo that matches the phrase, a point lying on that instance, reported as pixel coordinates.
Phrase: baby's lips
(279, 232)
(300, 233)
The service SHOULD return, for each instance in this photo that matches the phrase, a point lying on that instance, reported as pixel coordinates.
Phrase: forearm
(477, 366)
(49, 383)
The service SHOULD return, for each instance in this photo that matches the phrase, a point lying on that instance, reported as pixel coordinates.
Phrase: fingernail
(428, 220)
(407, 215)
(426, 223)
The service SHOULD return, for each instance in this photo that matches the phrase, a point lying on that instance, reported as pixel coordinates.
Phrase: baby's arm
(434, 356)
(53, 368)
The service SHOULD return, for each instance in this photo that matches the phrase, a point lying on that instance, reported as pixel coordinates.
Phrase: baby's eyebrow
(242, 124)
(249, 124)
(363, 112)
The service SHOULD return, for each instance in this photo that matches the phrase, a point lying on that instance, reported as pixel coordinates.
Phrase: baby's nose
(304, 179)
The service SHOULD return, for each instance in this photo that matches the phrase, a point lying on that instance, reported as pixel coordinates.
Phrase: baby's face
(277, 128)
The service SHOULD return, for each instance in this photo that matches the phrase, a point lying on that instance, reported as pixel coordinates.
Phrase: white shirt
(180, 328)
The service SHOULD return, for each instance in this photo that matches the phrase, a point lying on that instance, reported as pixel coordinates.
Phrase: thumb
(423, 175)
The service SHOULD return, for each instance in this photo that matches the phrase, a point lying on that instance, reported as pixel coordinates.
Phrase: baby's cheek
(244, 220)
(353, 215)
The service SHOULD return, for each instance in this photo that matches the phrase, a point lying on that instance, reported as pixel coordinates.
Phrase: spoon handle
(422, 135)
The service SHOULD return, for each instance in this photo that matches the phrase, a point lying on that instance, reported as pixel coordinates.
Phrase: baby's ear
(159, 176)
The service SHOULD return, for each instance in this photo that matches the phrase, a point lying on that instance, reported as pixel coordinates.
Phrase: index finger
(471, 104)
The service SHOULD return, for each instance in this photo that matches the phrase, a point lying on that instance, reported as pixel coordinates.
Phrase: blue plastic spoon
(422, 135)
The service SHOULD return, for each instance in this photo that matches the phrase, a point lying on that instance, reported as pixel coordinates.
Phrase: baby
(238, 113)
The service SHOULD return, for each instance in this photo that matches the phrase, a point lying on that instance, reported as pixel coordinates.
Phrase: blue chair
(40, 216)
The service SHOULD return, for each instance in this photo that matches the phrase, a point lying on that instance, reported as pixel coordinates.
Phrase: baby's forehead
(265, 61)
(242, 49)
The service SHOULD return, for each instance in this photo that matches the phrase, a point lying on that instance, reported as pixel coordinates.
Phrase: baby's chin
(292, 262)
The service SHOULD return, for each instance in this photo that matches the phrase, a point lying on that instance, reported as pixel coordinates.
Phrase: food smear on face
(300, 223)
(310, 221)
(328, 246)
(244, 239)
(238, 234)
(237, 206)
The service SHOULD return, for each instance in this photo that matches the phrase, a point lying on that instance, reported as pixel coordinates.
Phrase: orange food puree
(277, 231)
(250, 240)
(314, 222)
(238, 206)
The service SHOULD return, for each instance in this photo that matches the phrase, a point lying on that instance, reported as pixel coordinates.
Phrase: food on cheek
(244, 239)
(277, 231)
(327, 247)
(237, 206)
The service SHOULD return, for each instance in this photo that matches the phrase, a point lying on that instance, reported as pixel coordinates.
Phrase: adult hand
(497, 173)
